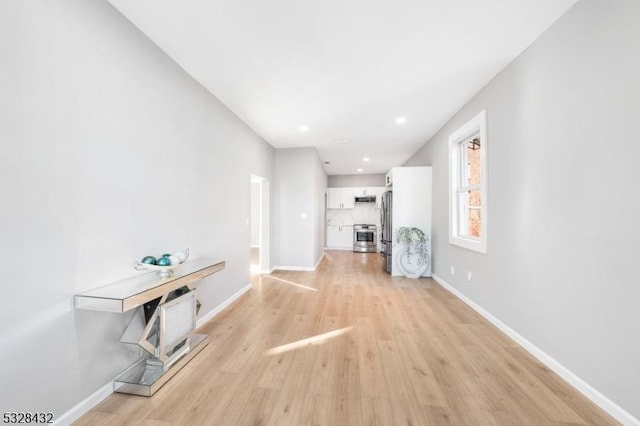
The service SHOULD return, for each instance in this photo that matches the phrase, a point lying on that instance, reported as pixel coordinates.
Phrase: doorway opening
(260, 245)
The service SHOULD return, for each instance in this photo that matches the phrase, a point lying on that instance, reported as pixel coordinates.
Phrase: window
(468, 185)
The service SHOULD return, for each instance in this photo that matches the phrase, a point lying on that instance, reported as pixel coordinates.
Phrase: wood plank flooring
(350, 345)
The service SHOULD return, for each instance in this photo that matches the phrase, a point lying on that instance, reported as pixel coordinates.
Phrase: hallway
(349, 345)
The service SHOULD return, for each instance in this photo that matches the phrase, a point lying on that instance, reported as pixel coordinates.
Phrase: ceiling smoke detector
(342, 141)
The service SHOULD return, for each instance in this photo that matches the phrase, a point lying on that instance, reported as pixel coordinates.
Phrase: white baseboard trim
(339, 248)
(300, 268)
(215, 311)
(294, 268)
(580, 385)
(85, 405)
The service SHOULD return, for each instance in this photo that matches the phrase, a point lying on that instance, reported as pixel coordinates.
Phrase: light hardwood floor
(349, 345)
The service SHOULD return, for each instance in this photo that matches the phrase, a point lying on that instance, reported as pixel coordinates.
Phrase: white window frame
(476, 126)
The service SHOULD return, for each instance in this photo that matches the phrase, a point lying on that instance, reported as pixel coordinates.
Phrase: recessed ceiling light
(303, 128)
(327, 162)
(359, 170)
(401, 120)
(365, 159)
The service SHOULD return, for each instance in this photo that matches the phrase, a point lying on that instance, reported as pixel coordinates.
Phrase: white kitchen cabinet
(362, 191)
(333, 198)
(344, 198)
(339, 237)
(340, 198)
(331, 236)
(348, 198)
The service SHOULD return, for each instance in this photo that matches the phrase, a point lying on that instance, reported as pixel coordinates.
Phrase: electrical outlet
(469, 276)
(453, 270)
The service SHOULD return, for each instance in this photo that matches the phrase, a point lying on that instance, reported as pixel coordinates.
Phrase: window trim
(476, 126)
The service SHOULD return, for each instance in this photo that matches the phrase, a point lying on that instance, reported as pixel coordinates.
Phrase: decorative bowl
(163, 271)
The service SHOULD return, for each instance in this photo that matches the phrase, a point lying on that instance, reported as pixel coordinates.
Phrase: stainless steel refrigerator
(386, 230)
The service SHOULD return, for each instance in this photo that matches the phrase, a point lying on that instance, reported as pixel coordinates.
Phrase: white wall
(108, 152)
(300, 183)
(347, 181)
(561, 266)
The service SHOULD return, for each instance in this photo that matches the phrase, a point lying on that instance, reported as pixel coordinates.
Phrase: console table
(163, 324)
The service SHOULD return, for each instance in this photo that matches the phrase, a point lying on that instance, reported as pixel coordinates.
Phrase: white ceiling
(344, 68)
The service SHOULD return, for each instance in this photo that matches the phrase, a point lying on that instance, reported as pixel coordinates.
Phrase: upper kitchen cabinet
(364, 192)
(341, 198)
(345, 198)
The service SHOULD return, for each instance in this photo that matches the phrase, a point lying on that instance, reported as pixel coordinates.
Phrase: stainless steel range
(365, 238)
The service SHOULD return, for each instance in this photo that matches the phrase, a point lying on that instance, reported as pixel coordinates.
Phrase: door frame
(264, 266)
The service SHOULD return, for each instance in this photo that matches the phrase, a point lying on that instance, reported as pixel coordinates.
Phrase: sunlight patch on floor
(309, 341)
(291, 283)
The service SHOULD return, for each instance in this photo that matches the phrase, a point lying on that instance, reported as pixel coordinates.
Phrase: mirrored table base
(146, 376)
